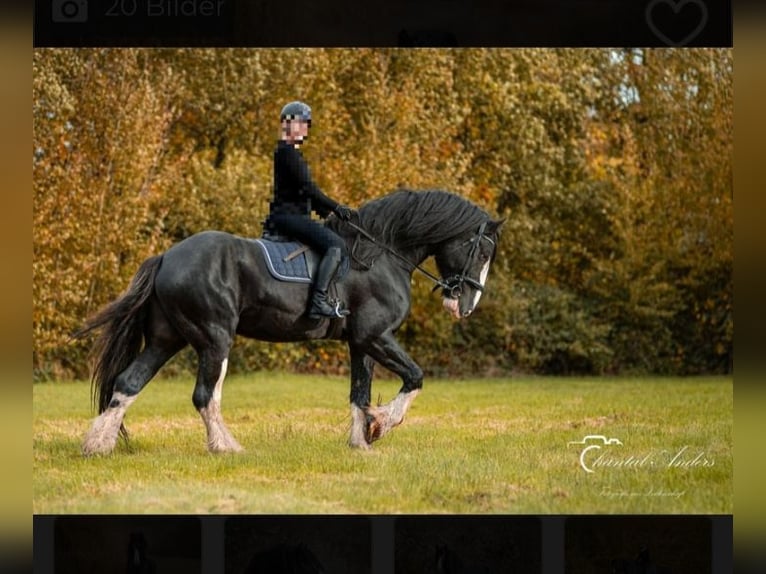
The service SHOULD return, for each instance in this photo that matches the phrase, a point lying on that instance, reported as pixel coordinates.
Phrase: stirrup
(333, 306)
(340, 312)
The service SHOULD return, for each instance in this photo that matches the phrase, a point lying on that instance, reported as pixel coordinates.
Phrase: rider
(295, 196)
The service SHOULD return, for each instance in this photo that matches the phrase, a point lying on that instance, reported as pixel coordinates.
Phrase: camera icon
(69, 10)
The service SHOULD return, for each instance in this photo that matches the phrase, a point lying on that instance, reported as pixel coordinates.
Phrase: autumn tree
(611, 167)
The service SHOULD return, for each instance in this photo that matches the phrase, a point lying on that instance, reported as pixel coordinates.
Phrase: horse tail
(121, 324)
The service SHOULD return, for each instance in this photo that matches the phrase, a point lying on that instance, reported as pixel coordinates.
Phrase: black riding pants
(308, 231)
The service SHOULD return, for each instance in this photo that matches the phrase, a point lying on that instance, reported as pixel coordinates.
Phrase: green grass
(481, 446)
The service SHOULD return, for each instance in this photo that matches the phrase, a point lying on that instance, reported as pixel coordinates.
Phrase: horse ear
(495, 225)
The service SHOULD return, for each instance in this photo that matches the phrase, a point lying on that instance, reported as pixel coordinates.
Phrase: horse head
(464, 264)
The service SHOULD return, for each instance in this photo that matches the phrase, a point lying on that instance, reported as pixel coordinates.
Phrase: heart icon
(657, 14)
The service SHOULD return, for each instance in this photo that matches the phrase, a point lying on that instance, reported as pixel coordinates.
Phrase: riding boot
(320, 306)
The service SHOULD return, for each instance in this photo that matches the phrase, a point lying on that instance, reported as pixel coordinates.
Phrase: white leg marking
(358, 428)
(400, 405)
(392, 414)
(102, 436)
(219, 438)
(218, 389)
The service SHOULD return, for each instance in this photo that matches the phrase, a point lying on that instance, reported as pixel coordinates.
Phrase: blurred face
(295, 132)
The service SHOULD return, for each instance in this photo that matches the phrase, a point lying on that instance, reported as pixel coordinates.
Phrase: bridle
(453, 286)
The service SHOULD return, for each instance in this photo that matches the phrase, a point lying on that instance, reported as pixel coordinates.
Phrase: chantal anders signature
(597, 452)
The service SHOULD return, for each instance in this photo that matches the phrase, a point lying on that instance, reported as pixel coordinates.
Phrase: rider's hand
(344, 212)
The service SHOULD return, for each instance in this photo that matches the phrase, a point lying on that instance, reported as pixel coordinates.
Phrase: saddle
(292, 261)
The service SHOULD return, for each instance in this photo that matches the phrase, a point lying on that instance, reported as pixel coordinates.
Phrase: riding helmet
(296, 110)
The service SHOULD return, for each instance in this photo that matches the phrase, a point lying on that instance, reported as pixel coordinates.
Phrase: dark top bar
(383, 23)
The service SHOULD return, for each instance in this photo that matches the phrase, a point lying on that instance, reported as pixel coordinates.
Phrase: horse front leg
(382, 419)
(213, 364)
(362, 367)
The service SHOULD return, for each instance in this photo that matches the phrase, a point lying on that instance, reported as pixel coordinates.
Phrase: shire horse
(212, 286)
(641, 564)
(285, 559)
(138, 560)
(448, 561)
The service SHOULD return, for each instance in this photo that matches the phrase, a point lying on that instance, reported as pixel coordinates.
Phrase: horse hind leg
(103, 434)
(207, 400)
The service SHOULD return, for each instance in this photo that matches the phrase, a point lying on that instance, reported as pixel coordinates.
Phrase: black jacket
(294, 190)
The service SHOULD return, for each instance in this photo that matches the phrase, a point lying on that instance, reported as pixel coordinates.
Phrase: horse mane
(407, 218)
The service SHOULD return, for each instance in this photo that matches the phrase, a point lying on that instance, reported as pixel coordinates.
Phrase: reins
(454, 285)
(431, 276)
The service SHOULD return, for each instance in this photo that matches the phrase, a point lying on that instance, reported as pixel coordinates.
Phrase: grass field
(480, 446)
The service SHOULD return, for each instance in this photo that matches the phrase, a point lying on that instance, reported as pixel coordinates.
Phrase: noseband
(453, 286)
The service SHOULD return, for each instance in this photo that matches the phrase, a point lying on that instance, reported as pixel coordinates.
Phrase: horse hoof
(374, 432)
(225, 448)
(375, 418)
(96, 447)
(89, 452)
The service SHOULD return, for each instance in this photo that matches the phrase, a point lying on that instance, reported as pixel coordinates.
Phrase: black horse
(285, 559)
(212, 286)
(642, 564)
(138, 560)
(448, 561)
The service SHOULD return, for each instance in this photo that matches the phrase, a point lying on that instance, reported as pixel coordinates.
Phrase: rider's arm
(320, 203)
